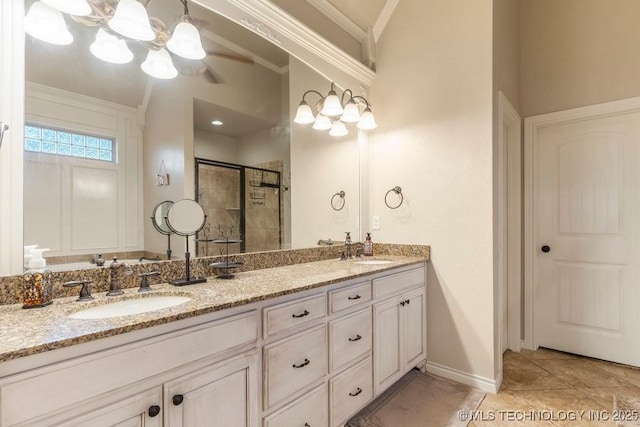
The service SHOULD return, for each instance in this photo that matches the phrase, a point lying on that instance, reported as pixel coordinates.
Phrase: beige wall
(578, 52)
(433, 101)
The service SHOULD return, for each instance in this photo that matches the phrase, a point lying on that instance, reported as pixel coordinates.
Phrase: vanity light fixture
(333, 112)
(122, 22)
(217, 123)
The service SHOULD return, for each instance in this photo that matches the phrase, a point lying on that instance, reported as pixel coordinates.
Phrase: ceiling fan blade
(211, 76)
(232, 57)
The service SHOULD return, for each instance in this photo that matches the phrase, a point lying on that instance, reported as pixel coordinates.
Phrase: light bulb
(304, 115)
(367, 121)
(47, 24)
(110, 48)
(322, 123)
(185, 41)
(331, 106)
(159, 65)
(351, 113)
(131, 20)
(338, 129)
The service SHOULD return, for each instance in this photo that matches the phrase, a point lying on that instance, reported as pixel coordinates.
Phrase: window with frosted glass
(40, 139)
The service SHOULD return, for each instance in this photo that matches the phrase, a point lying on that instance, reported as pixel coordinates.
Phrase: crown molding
(383, 18)
(342, 20)
(262, 16)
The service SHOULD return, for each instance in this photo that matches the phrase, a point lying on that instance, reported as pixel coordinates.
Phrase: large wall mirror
(105, 143)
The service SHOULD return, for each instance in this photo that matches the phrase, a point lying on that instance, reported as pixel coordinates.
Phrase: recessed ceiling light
(216, 123)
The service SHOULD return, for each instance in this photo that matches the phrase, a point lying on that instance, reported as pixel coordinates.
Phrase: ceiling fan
(190, 67)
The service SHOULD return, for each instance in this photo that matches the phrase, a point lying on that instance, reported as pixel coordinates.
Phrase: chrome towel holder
(396, 190)
(340, 201)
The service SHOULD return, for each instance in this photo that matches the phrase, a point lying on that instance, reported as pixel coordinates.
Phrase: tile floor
(549, 388)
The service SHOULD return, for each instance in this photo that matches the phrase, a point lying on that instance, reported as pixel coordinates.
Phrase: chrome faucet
(348, 244)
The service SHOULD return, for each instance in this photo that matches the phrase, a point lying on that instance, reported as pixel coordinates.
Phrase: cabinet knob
(177, 399)
(545, 248)
(304, 313)
(154, 410)
(357, 392)
(408, 301)
(303, 364)
(355, 297)
(403, 303)
(358, 337)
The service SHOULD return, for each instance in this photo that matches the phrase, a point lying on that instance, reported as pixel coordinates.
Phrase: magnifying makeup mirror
(158, 218)
(185, 218)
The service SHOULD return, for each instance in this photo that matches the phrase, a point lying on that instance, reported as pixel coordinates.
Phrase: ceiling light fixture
(119, 23)
(217, 123)
(333, 112)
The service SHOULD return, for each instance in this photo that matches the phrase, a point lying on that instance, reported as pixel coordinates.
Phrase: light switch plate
(375, 222)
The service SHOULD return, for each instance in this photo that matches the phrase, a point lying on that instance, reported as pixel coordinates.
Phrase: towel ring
(396, 190)
(341, 195)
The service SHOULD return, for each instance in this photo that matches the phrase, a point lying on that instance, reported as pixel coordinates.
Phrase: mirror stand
(188, 280)
(186, 218)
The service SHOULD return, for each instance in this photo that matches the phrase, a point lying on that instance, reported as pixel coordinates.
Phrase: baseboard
(484, 384)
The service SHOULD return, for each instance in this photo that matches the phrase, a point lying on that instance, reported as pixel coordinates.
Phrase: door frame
(532, 126)
(509, 224)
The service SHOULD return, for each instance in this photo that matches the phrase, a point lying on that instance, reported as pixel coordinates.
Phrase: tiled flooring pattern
(549, 388)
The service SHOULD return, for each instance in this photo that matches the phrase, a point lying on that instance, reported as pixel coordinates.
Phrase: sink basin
(129, 307)
(377, 261)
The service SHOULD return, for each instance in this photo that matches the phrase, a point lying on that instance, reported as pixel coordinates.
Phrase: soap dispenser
(368, 246)
(37, 286)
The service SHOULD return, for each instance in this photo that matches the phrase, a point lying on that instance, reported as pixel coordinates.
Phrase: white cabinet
(218, 396)
(399, 334)
(309, 410)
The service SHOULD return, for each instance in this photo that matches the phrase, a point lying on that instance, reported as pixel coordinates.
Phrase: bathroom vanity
(302, 345)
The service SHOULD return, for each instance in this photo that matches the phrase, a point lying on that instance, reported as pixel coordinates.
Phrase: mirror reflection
(100, 136)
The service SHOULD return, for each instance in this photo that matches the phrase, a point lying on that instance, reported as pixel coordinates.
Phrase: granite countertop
(32, 331)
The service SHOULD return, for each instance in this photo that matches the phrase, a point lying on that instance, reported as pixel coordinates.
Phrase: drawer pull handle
(358, 337)
(154, 410)
(306, 425)
(356, 297)
(358, 391)
(177, 399)
(304, 313)
(303, 364)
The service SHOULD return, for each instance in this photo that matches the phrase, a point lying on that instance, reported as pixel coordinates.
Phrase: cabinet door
(387, 343)
(413, 326)
(222, 395)
(139, 410)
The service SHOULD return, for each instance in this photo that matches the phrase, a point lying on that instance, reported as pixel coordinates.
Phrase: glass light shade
(331, 106)
(304, 115)
(72, 7)
(159, 65)
(110, 48)
(322, 123)
(131, 20)
(47, 24)
(185, 41)
(351, 113)
(367, 121)
(338, 129)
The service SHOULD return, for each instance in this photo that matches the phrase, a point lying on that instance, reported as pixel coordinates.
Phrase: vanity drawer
(350, 337)
(397, 283)
(350, 391)
(292, 314)
(349, 296)
(311, 409)
(294, 363)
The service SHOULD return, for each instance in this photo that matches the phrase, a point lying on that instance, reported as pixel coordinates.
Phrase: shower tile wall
(219, 196)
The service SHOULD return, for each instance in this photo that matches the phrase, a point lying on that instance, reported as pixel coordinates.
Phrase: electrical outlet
(375, 222)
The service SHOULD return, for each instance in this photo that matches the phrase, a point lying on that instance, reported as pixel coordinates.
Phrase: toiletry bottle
(368, 246)
(37, 286)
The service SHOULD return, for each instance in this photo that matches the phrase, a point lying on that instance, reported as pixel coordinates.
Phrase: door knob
(545, 249)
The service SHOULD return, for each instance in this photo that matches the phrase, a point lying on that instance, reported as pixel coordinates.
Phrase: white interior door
(586, 206)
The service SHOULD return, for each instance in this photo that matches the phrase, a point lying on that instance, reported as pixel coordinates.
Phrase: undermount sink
(375, 261)
(129, 307)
